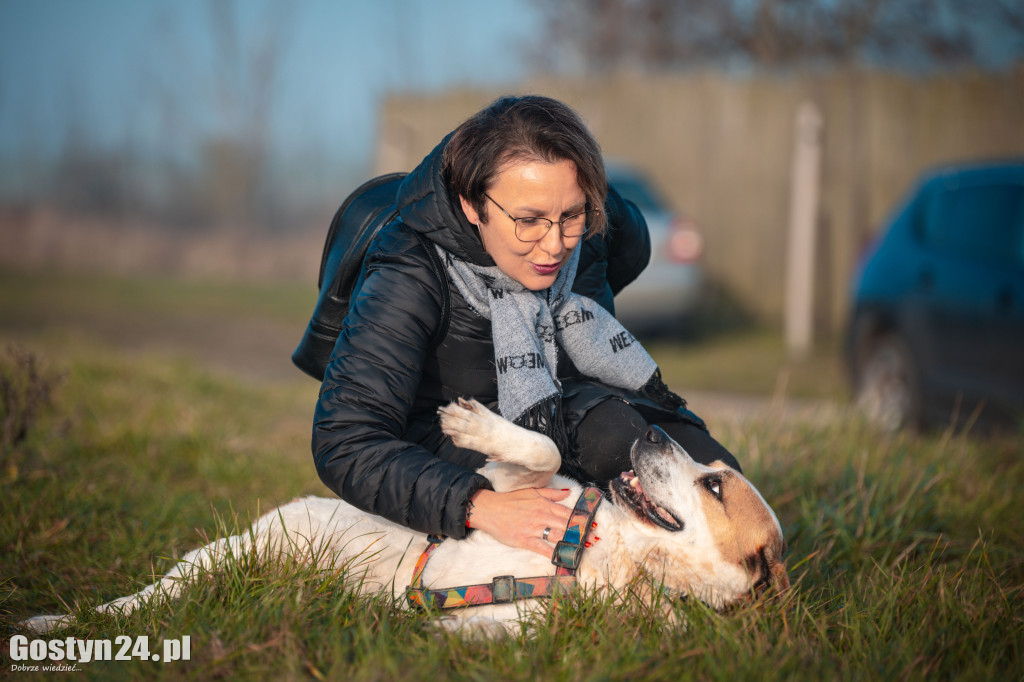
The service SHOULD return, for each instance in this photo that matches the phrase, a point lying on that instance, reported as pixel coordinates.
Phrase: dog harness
(505, 589)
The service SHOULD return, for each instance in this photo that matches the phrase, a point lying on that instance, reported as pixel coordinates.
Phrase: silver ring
(547, 531)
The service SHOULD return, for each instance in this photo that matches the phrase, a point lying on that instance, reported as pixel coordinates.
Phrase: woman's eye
(529, 222)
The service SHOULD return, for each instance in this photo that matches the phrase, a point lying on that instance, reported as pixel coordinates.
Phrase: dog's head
(704, 531)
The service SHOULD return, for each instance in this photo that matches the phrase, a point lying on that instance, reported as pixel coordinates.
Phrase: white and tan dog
(700, 531)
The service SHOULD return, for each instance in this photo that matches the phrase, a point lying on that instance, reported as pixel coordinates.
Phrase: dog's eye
(714, 486)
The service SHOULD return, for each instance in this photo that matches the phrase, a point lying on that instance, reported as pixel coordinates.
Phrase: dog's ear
(770, 571)
(776, 569)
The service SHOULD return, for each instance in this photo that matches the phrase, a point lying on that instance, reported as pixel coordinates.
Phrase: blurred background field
(215, 139)
(251, 329)
(211, 142)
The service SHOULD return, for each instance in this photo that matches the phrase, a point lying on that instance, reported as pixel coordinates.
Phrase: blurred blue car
(936, 334)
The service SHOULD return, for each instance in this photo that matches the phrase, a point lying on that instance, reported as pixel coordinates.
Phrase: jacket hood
(426, 205)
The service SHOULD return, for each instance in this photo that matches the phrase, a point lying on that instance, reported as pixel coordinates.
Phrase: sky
(153, 77)
(149, 73)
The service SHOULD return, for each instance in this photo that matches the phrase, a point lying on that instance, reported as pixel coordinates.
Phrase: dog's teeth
(634, 482)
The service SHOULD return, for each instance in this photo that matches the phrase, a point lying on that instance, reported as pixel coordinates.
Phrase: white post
(806, 182)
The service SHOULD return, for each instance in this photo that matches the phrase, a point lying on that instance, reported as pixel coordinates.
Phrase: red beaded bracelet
(469, 512)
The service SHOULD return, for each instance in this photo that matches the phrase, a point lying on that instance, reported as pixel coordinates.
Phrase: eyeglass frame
(551, 223)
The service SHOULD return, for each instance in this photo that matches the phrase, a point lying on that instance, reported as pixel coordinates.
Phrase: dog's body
(700, 531)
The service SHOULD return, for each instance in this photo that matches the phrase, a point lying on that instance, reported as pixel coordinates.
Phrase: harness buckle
(419, 598)
(503, 589)
(567, 555)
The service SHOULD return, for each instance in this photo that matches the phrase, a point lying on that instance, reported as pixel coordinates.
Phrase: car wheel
(886, 384)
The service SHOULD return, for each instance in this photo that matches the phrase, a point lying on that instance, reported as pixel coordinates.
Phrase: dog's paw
(470, 425)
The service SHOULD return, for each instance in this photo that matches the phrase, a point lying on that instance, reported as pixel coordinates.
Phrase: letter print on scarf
(525, 327)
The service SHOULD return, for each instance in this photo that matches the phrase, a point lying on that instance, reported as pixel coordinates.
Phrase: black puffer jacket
(376, 438)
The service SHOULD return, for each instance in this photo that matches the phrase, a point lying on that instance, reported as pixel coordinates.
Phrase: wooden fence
(720, 147)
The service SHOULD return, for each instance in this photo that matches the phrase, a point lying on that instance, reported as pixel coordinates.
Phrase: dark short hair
(526, 128)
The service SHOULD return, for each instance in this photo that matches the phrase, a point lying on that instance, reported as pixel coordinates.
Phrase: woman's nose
(552, 242)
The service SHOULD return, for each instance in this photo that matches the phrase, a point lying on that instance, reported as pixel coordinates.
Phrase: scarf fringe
(546, 417)
(656, 390)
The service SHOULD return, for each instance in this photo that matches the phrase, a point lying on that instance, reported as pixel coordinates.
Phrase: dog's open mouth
(628, 489)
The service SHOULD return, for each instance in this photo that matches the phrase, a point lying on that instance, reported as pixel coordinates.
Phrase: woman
(516, 204)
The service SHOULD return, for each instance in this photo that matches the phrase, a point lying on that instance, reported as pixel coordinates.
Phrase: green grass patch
(906, 551)
(752, 362)
(37, 297)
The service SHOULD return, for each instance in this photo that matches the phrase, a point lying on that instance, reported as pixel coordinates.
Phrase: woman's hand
(519, 518)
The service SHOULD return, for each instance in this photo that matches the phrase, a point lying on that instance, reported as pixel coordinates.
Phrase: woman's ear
(471, 215)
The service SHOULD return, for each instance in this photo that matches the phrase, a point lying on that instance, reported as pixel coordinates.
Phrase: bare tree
(220, 126)
(87, 177)
(245, 79)
(669, 34)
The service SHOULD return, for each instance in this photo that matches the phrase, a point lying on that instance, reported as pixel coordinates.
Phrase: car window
(637, 191)
(981, 222)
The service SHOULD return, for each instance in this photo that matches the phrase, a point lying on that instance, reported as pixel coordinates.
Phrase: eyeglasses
(532, 229)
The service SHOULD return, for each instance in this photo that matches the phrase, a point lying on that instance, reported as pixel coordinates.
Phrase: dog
(700, 531)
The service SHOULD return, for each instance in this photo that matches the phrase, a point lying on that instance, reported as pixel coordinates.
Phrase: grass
(906, 551)
(751, 362)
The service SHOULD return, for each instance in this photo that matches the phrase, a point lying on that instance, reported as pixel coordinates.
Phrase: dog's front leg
(517, 457)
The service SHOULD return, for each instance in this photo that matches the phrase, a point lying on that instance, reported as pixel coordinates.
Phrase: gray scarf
(528, 326)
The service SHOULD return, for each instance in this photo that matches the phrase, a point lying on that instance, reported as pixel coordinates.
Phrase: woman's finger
(553, 494)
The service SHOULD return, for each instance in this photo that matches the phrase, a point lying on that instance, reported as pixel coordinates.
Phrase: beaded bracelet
(469, 512)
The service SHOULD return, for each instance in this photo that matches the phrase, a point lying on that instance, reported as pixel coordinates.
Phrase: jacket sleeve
(629, 242)
(369, 389)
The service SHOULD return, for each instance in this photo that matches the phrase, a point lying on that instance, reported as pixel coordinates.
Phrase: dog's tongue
(664, 514)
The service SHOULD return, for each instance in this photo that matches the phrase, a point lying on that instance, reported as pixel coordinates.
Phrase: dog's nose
(654, 435)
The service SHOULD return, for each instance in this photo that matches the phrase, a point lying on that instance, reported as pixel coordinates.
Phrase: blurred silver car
(669, 289)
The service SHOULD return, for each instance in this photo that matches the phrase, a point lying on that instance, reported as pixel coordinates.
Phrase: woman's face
(530, 189)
